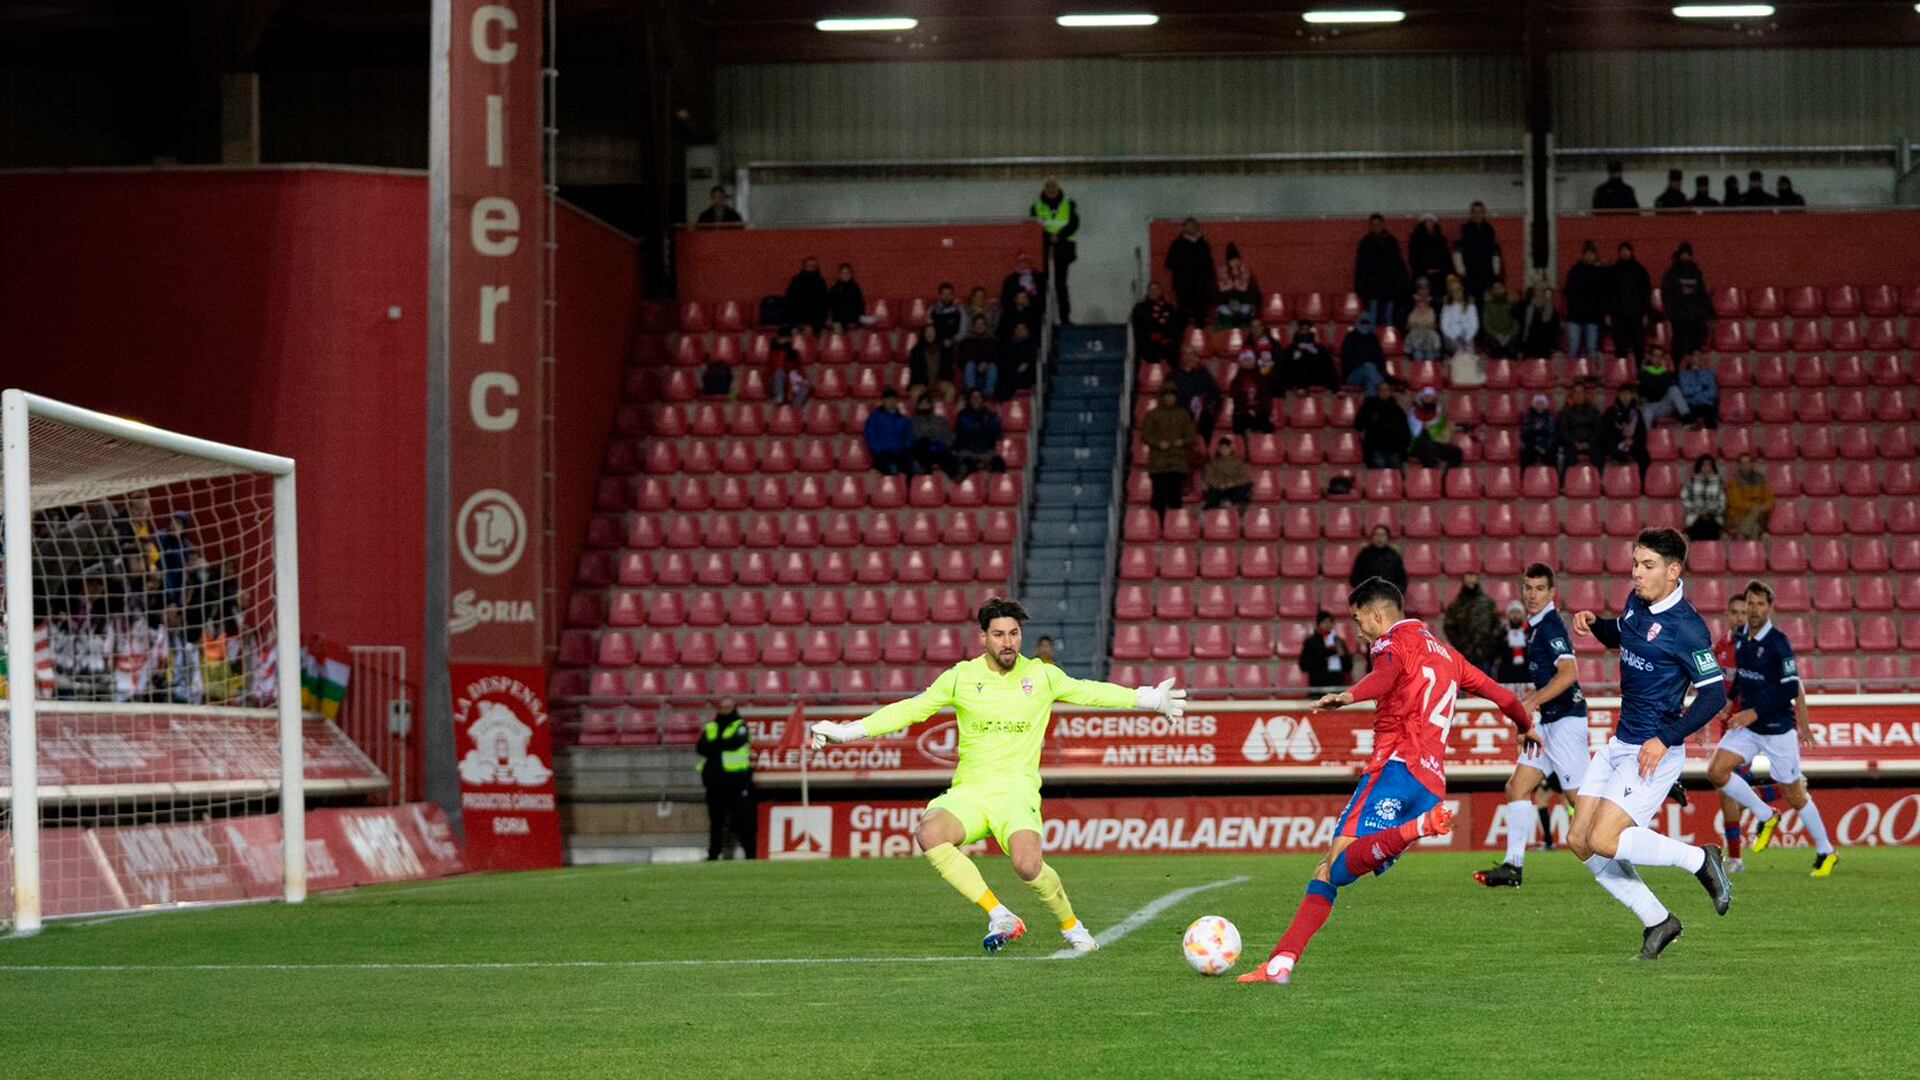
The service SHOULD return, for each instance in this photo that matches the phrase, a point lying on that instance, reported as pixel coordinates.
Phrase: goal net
(152, 749)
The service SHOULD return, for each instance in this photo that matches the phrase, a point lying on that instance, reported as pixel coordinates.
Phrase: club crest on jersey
(1026, 686)
(1653, 631)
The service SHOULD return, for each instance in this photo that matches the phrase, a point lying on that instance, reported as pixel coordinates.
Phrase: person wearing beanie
(1673, 198)
(1429, 254)
(1616, 193)
(1757, 194)
(1239, 293)
(1703, 193)
(1539, 434)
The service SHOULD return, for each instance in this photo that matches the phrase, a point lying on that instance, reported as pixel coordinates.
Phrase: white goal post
(153, 642)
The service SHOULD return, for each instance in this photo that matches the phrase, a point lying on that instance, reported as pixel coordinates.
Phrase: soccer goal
(151, 757)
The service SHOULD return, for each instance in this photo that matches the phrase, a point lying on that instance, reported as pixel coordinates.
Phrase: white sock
(1278, 964)
(1000, 912)
(1520, 821)
(1644, 847)
(1816, 828)
(1743, 794)
(1619, 879)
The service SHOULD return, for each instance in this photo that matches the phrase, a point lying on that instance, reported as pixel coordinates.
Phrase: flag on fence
(42, 660)
(309, 680)
(334, 673)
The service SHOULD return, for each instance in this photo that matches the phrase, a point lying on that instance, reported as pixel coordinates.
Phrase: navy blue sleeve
(1706, 705)
(1786, 666)
(1608, 631)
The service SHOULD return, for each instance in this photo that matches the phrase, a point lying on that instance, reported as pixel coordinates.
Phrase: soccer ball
(1211, 946)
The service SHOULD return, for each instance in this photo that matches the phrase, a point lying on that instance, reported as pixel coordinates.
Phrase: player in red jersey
(1399, 799)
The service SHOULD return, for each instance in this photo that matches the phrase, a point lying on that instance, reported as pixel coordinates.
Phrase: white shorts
(1566, 751)
(1614, 775)
(1782, 751)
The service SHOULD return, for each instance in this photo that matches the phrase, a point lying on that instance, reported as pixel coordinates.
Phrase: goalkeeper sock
(962, 875)
(1054, 895)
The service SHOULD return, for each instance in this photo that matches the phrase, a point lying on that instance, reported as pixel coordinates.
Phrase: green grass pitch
(1419, 974)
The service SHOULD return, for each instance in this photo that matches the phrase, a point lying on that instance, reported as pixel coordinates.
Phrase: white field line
(1149, 913)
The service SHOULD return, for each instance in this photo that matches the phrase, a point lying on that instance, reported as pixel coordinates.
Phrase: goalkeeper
(1004, 702)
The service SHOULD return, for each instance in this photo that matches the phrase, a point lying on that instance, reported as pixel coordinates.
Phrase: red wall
(890, 262)
(1310, 255)
(1750, 249)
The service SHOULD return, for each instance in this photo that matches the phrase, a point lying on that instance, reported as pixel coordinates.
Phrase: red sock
(1733, 841)
(1315, 907)
(1370, 853)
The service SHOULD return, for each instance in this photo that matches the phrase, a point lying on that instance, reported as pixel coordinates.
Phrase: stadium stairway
(1070, 533)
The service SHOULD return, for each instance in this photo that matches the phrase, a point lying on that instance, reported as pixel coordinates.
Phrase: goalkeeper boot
(1506, 875)
(1003, 932)
(1080, 939)
(1763, 836)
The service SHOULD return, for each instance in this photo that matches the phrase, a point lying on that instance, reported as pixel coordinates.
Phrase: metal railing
(1036, 424)
(1117, 481)
(378, 712)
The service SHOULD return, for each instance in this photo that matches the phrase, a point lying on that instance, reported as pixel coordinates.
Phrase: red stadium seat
(1877, 634)
(1253, 641)
(1872, 594)
(1582, 519)
(1845, 336)
(1299, 561)
(1770, 336)
(1260, 524)
(1463, 521)
(1729, 303)
(1835, 633)
(1256, 601)
(1581, 482)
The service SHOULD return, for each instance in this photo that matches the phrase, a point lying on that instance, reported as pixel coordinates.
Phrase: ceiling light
(1723, 11)
(844, 26)
(1335, 18)
(1142, 18)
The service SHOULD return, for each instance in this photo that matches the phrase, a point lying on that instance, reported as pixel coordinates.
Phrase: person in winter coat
(1226, 480)
(1363, 363)
(1059, 218)
(1239, 293)
(1325, 656)
(1472, 624)
(1582, 438)
(1539, 322)
(1252, 394)
(947, 317)
(976, 437)
(1700, 387)
(1190, 262)
(1784, 195)
(930, 367)
(889, 435)
(807, 296)
(1459, 320)
(1539, 434)
(1379, 559)
(1379, 273)
(1674, 197)
(1020, 312)
(1432, 432)
(1423, 327)
(1499, 329)
(1477, 255)
(1757, 194)
(1308, 364)
(1019, 361)
(1168, 431)
(1730, 192)
(1197, 390)
(846, 301)
(1024, 279)
(1660, 395)
(1683, 289)
(1383, 428)
(1629, 299)
(1429, 254)
(1750, 500)
(1703, 502)
(1625, 430)
(978, 357)
(1703, 193)
(1156, 327)
(1616, 193)
(932, 441)
(1586, 302)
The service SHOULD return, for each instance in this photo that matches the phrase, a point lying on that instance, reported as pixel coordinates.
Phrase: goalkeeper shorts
(996, 811)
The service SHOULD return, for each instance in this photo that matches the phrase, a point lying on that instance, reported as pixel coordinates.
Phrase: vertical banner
(497, 198)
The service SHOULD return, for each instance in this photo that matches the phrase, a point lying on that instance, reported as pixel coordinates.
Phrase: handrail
(1017, 161)
(1891, 146)
(1036, 423)
(1117, 483)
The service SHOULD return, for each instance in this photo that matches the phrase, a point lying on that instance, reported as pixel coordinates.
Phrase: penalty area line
(1149, 913)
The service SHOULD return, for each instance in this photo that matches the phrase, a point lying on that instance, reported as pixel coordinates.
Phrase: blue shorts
(1385, 800)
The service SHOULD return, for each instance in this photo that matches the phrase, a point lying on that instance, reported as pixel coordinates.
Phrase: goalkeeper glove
(1163, 699)
(828, 731)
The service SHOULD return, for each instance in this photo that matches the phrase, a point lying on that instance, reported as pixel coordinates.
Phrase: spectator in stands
(929, 366)
(1459, 320)
(1043, 651)
(1513, 658)
(1616, 193)
(1021, 312)
(1689, 307)
(1423, 326)
(976, 440)
(1197, 391)
(1476, 258)
(1190, 262)
(1018, 359)
(1674, 197)
(1586, 302)
(1227, 479)
(1629, 299)
(1156, 327)
(846, 301)
(1432, 431)
(788, 378)
(1730, 192)
(719, 210)
(979, 305)
(726, 768)
(1660, 395)
(1539, 322)
(1703, 192)
(1429, 254)
(889, 435)
(1704, 500)
(1701, 389)
(1625, 428)
(807, 296)
(1308, 364)
(1379, 559)
(1325, 656)
(1472, 624)
(1362, 362)
(1499, 330)
(1169, 431)
(1756, 193)
(1384, 429)
(1024, 279)
(932, 441)
(1582, 431)
(1060, 222)
(1785, 195)
(1379, 273)
(978, 357)
(947, 317)
(1252, 394)
(1539, 434)
(1239, 293)
(1750, 500)
(716, 378)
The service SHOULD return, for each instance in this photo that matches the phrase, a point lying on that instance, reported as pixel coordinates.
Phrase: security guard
(1061, 220)
(727, 768)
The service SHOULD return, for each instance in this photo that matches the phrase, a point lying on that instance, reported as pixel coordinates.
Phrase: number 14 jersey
(1415, 681)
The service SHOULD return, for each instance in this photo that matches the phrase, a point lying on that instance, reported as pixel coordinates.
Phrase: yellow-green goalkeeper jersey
(1002, 717)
